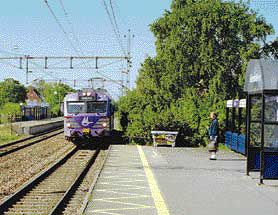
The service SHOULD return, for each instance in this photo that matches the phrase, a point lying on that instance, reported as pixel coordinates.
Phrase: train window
(76, 107)
(96, 107)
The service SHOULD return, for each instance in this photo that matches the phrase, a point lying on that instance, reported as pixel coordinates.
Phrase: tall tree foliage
(203, 47)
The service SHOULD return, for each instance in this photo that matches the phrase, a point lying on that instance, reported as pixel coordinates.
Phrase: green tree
(271, 49)
(11, 91)
(54, 94)
(10, 111)
(206, 44)
(203, 47)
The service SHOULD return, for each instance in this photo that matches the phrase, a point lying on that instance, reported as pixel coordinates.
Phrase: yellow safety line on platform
(158, 199)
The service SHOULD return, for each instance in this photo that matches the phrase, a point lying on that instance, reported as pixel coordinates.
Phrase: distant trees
(53, 94)
(9, 111)
(11, 91)
(203, 47)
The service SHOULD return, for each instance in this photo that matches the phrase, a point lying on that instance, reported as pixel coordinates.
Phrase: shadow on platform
(231, 159)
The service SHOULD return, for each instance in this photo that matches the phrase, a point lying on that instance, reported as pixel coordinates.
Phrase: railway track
(11, 147)
(50, 192)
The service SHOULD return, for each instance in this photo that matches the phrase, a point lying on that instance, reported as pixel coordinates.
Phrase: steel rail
(12, 199)
(60, 206)
(28, 144)
(92, 186)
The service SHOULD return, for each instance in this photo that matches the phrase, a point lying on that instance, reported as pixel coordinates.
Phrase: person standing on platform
(213, 135)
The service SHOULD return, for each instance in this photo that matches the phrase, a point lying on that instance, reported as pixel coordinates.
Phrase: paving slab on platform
(122, 187)
(194, 185)
(185, 180)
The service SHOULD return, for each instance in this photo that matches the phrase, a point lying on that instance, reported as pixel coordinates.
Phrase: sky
(29, 28)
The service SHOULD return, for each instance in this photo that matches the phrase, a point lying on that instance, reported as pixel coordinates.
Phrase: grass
(221, 147)
(6, 136)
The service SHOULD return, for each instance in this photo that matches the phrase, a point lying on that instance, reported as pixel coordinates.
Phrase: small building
(36, 108)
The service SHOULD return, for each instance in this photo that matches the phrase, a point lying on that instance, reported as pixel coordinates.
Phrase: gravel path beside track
(17, 168)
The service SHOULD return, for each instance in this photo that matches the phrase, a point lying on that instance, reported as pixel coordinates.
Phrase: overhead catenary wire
(71, 26)
(116, 24)
(117, 8)
(8, 64)
(114, 17)
(67, 36)
(19, 55)
(66, 14)
(61, 26)
(128, 46)
(114, 27)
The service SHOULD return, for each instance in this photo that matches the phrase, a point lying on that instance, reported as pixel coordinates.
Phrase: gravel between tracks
(17, 168)
(76, 201)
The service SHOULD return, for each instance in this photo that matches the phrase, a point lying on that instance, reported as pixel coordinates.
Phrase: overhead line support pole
(129, 58)
(96, 62)
(71, 58)
(45, 62)
(27, 67)
(20, 63)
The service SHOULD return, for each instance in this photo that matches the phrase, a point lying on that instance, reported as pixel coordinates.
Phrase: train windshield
(97, 107)
(76, 107)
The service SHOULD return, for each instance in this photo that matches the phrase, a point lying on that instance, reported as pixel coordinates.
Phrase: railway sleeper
(24, 213)
(30, 210)
(31, 204)
(43, 208)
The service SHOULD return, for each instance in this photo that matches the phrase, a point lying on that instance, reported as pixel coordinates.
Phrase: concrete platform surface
(179, 181)
(38, 122)
(37, 126)
(194, 185)
(122, 187)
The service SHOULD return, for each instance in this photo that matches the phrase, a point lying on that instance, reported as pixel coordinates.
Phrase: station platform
(179, 181)
(37, 126)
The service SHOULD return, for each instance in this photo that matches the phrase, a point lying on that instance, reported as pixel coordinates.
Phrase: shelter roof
(261, 74)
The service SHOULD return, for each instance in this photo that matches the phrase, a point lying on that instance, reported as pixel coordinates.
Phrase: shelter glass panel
(271, 108)
(256, 108)
(255, 134)
(236, 122)
(243, 122)
(271, 136)
(229, 120)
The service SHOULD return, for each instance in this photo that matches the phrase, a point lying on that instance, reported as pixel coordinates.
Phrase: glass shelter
(235, 125)
(261, 86)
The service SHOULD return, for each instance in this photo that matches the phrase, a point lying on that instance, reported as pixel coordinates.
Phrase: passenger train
(88, 114)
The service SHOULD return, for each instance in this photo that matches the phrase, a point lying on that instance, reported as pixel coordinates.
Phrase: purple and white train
(88, 113)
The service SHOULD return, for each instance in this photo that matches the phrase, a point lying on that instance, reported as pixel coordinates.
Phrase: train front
(87, 114)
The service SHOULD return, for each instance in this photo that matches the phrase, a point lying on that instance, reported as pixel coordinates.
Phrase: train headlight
(104, 124)
(68, 125)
